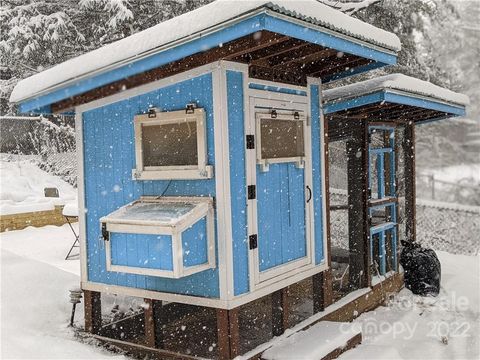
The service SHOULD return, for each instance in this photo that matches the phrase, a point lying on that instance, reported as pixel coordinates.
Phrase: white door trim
(266, 100)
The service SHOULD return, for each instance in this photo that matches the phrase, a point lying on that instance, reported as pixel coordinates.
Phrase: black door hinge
(369, 193)
(105, 232)
(251, 192)
(253, 241)
(250, 140)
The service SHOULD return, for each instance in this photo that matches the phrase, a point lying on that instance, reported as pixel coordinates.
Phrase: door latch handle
(309, 194)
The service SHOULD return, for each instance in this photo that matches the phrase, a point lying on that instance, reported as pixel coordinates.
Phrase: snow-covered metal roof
(181, 29)
(397, 82)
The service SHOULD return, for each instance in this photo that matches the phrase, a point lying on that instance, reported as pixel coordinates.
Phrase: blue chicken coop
(203, 167)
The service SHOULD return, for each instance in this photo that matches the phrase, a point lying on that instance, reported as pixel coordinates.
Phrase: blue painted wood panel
(109, 158)
(280, 214)
(278, 89)
(195, 245)
(236, 136)
(317, 172)
(142, 250)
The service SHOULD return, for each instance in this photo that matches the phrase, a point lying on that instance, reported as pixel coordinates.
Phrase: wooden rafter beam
(297, 55)
(349, 62)
(231, 49)
(255, 42)
(268, 73)
(273, 49)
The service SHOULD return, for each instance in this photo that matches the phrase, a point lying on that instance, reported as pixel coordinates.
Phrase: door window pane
(281, 139)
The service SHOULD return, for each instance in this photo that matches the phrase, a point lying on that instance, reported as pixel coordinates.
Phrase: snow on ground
(414, 327)
(34, 305)
(48, 244)
(469, 173)
(22, 186)
(410, 327)
(35, 310)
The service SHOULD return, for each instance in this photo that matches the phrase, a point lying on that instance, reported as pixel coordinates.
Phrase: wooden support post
(223, 330)
(280, 311)
(234, 333)
(228, 336)
(149, 324)
(322, 290)
(322, 284)
(410, 189)
(357, 170)
(93, 311)
(367, 272)
(159, 317)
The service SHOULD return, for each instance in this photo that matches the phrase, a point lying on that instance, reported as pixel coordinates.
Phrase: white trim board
(259, 280)
(203, 301)
(81, 197)
(222, 182)
(279, 85)
(318, 81)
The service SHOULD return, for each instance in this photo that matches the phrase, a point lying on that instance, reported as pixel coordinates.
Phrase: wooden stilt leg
(149, 324)
(410, 189)
(159, 317)
(322, 290)
(93, 311)
(234, 333)
(223, 330)
(280, 311)
(228, 335)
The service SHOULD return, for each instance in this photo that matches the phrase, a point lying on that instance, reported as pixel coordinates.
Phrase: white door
(280, 204)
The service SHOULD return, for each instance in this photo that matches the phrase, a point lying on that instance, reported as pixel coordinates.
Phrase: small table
(70, 211)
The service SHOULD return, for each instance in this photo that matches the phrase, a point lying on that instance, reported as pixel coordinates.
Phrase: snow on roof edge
(395, 82)
(213, 14)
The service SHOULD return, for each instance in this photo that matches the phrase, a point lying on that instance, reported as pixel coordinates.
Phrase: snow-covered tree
(34, 35)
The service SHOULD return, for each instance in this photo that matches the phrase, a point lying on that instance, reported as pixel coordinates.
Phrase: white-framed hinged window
(280, 138)
(171, 145)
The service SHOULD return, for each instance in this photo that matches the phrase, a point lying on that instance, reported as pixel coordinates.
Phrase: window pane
(281, 138)
(170, 144)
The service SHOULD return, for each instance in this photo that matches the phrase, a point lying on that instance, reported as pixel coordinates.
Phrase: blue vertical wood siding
(317, 172)
(195, 245)
(109, 158)
(236, 136)
(142, 250)
(281, 214)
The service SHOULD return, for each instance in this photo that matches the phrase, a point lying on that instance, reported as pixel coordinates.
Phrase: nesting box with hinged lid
(169, 237)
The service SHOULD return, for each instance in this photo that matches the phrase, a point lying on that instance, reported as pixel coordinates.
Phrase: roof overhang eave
(329, 104)
(203, 33)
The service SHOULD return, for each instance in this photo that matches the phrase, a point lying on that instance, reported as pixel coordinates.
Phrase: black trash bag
(422, 269)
